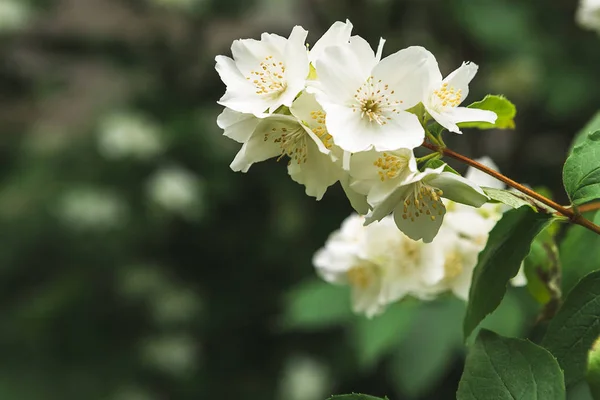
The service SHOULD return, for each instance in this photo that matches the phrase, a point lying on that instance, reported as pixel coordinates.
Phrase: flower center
(453, 265)
(374, 101)
(361, 276)
(319, 129)
(448, 96)
(423, 201)
(390, 166)
(268, 79)
(291, 141)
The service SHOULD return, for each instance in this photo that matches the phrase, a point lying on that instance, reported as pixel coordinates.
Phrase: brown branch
(589, 207)
(574, 217)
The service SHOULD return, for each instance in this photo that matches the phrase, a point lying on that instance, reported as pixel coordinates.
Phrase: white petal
(379, 52)
(340, 73)
(296, 64)
(236, 125)
(418, 225)
(405, 72)
(460, 78)
(464, 114)
(357, 201)
(364, 53)
(481, 178)
(317, 173)
(240, 163)
(402, 130)
(337, 34)
(443, 118)
(249, 53)
(384, 199)
(230, 74)
(458, 189)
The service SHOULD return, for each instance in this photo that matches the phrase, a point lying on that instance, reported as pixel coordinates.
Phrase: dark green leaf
(579, 252)
(500, 260)
(592, 126)
(575, 327)
(505, 368)
(504, 109)
(514, 199)
(375, 337)
(433, 164)
(315, 305)
(542, 268)
(581, 173)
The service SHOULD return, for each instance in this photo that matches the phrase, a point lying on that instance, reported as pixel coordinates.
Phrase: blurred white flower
(133, 393)
(129, 135)
(176, 354)
(588, 14)
(380, 263)
(177, 190)
(175, 304)
(92, 208)
(14, 14)
(304, 378)
(177, 4)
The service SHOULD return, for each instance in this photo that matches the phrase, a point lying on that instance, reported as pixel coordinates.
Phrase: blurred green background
(135, 265)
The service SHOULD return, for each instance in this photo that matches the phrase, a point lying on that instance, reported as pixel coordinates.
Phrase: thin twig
(589, 207)
(574, 217)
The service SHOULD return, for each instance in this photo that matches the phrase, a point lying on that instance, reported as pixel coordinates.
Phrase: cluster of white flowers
(588, 14)
(341, 112)
(382, 265)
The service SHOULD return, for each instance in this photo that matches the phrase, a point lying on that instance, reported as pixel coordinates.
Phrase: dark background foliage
(108, 293)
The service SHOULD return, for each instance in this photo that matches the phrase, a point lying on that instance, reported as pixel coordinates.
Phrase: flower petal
(384, 199)
(296, 64)
(443, 118)
(237, 126)
(405, 72)
(337, 34)
(357, 200)
(458, 189)
(460, 78)
(419, 225)
(481, 178)
(464, 114)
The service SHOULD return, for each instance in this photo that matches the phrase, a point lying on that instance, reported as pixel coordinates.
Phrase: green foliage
(374, 338)
(355, 396)
(575, 327)
(507, 245)
(514, 199)
(504, 109)
(581, 173)
(315, 305)
(592, 126)
(436, 163)
(579, 252)
(506, 368)
(542, 268)
(593, 371)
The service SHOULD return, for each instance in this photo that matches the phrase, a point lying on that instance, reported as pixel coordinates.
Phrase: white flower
(442, 97)
(177, 190)
(380, 263)
(129, 135)
(588, 14)
(301, 136)
(304, 378)
(365, 99)
(264, 74)
(416, 201)
(92, 208)
(337, 34)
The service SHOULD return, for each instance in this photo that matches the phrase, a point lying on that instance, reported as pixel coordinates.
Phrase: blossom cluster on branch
(340, 112)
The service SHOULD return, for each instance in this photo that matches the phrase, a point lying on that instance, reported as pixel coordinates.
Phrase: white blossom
(301, 136)
(442, 97)
(14, 14)
(588, 14)
(416, 201)
(365, 99)
(338, 34)
(380, 263)
(177, 190)
(92, 209)
(264, 74)
(123, 135)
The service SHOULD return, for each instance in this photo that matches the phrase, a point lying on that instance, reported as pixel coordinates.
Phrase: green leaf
(500, 260)
(515, 199)
(315, 305)
(504, 109)
(355, 396)
(593, 371)
(579, 252)
(425, 353)
(438, 163)
(542, 268)
(581, 173)
(505, 368)
(373, 338)
(575, 327)
(592, 126)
